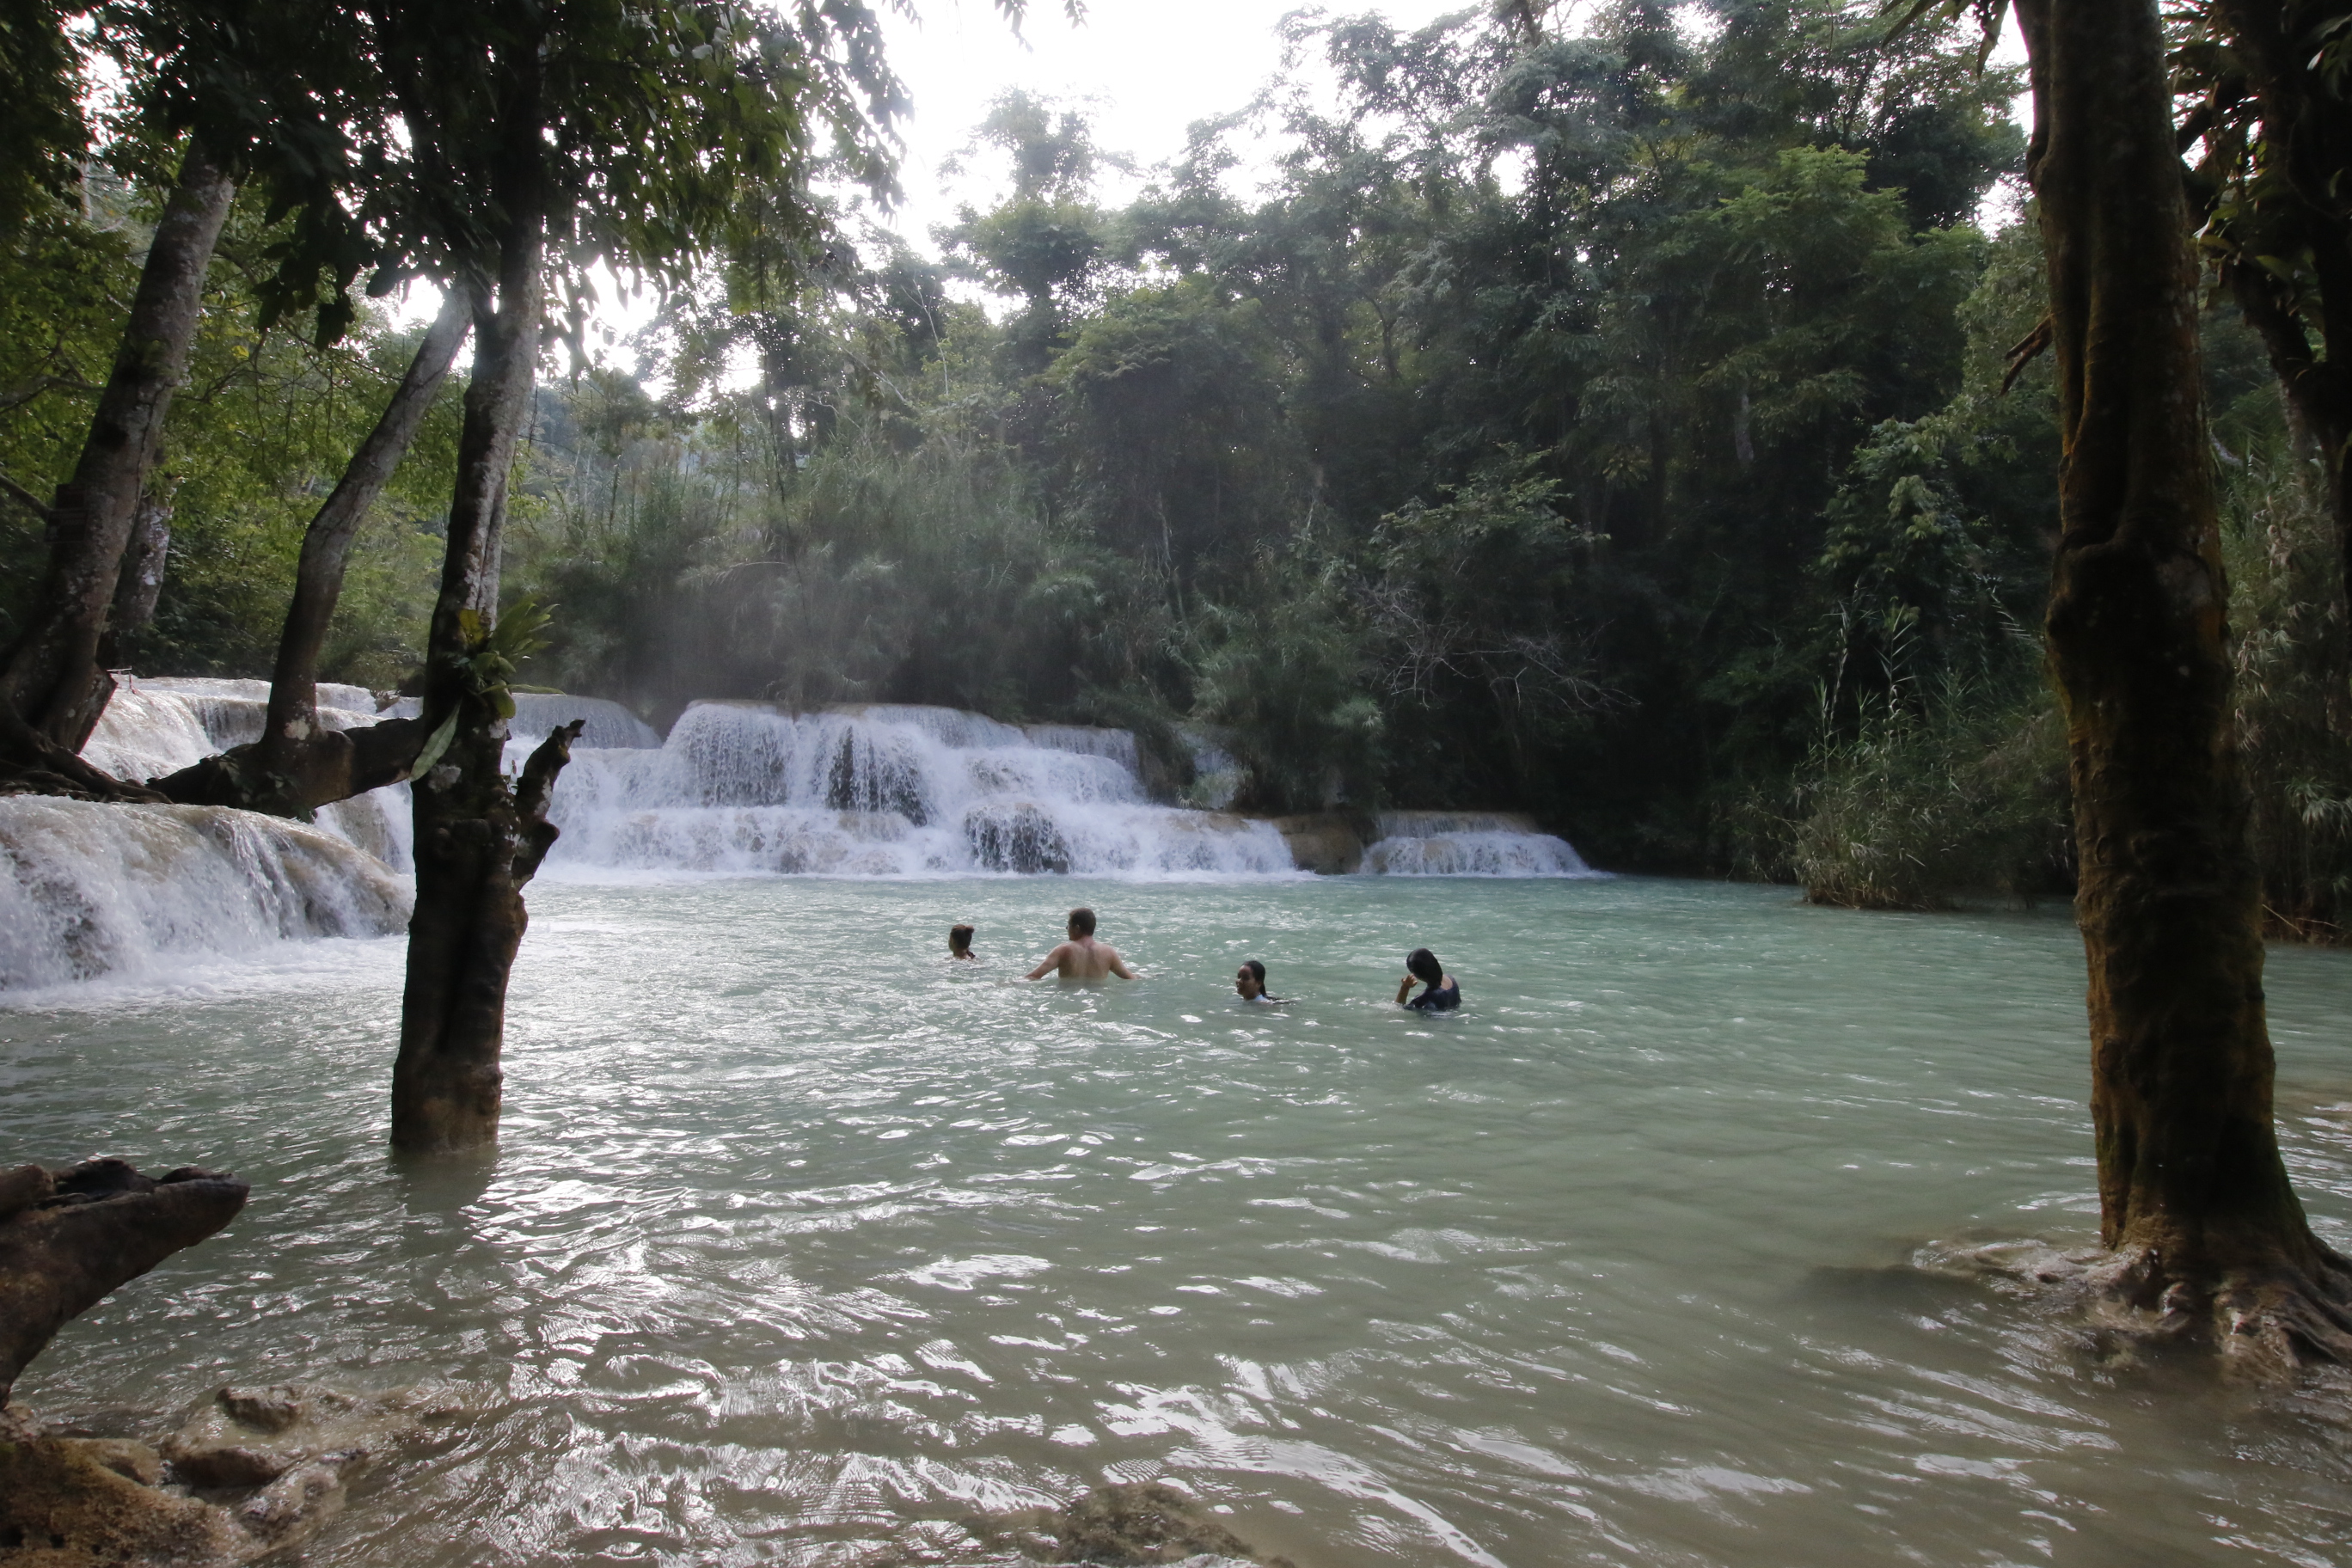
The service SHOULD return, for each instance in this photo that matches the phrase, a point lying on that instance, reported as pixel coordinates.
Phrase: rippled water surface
(803, 1244)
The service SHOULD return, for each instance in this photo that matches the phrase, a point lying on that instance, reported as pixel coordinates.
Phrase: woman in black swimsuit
(1442, 994)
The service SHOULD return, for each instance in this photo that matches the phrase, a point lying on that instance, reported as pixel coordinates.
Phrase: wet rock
(253, 1436)
(249, 1472)
(1016, 838)
(1125, 1525)
(63, 1506)
(133, 1461)
(1328, 843)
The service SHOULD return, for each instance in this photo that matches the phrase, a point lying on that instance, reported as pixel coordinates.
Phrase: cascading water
(884, 791)
(1468, 844)
(88, 889)
(879, 790)
(156, 725)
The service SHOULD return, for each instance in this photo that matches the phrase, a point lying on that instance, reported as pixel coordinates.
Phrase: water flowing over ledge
(738, 787)
(885, 791)
(90, 889)
(156, 725)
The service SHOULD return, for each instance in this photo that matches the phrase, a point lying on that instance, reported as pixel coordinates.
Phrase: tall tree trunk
(477, 841)
(297, 767)
(2194, 1201)
(51, 679)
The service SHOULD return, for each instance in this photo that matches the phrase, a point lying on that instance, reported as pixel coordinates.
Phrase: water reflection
(804, 1245)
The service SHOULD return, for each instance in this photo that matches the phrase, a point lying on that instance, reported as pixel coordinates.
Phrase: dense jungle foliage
(1610, 424)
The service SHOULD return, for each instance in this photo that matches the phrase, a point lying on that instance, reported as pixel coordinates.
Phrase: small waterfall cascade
(88, 889)
(605, 725)
(157, 725)
(1468, 844)
(885, 790)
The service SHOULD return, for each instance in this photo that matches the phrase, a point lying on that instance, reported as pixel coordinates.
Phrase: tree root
(32, 763)
(67, 1238)
(2263, 1322)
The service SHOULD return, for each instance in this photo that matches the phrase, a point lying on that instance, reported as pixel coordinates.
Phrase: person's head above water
(1425, 966)
(1250, 980)
(1082, 921)
(959, 942)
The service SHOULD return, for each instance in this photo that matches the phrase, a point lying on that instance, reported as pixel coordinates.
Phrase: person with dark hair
(1250, 980)
(1440, 992)
(1082, 957)
(959, 942)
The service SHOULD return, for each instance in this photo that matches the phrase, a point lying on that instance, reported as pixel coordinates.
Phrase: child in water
(959, 942)
(1442, 995)
(1250, 980)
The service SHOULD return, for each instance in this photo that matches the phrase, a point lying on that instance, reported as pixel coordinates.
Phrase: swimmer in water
(959, 942)
(1082, 957)
(1250, 980)
(1442, 994)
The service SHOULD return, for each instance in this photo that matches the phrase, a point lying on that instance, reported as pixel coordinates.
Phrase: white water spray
(88, 889)
(158, 725)
(1468, 844)
(887, 791)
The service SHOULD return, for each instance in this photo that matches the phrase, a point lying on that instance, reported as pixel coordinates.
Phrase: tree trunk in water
(51, 679)
(295, 767)
(485, 843)
(477, 841)
(2194, 1201)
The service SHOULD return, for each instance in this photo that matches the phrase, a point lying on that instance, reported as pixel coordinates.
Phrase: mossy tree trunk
(478, 840)
(53, 686)
(2195, 1204)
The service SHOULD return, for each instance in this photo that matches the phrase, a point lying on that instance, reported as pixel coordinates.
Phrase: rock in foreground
(249, 1471)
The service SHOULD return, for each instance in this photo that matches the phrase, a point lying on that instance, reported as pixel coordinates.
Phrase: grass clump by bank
(1964, 795)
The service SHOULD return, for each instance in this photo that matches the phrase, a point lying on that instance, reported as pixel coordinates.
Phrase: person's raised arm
(1404, 986)
(1119, 967)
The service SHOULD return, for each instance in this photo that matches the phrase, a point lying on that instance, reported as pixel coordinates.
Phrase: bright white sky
(1145, 70)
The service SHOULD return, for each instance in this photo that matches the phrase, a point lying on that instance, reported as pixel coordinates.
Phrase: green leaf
(435, 746)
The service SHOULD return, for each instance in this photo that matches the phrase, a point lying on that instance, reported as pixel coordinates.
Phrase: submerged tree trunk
(52, 683)
(2195, 1204)
(295, 767)
(478, 840)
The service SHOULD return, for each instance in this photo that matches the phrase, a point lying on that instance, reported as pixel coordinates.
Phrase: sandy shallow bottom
(802, 1244)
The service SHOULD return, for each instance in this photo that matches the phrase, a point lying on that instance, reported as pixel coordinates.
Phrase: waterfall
(90, 889)
(1468, 844)
(605, 724)
(157, 725)
(886, 790)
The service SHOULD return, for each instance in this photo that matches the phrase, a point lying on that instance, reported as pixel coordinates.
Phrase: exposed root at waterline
(2264, 1322)
(1124, 1525)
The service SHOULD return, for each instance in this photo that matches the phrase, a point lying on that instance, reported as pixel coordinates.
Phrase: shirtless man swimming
(1082, 957)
